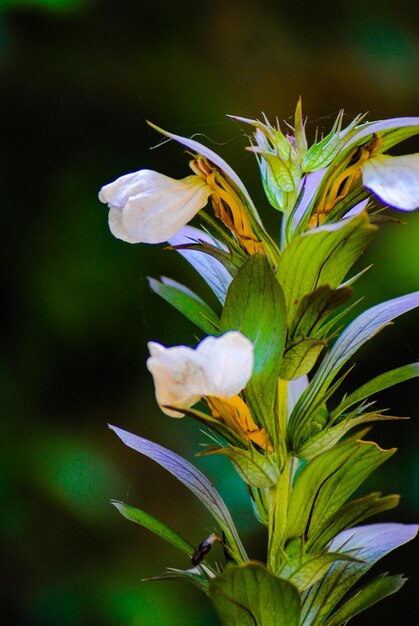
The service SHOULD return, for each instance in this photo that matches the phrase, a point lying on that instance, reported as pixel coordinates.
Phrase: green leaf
(326, 482)
(366, 596)
(332, 326)
(315, 308)
(299, 131)
(383, 381)
(339, 487)
(259, 313)
(300, 357)
(329, 436)
(250, 596)
(284, 173)
(323, 440)
(322, 256)
(187, 302)
(259, 504)
(303, 571)
(308, 483)
(156, 526)
(348, 515)
(368, 544)
(365, 326)
(255, 469)
(213, 423)
(323, 152)
(275, 196)
(194, 576)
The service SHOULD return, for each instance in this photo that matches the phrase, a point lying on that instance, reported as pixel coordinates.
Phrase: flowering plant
(270, 371)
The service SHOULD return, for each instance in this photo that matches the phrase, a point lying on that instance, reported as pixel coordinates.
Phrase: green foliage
(347, 516)
(353, 337)
(255, 469)
(304, 570)
(322, 152)
(195, 577)
(314, 310)
(383, 381)
(187, 302)
(366, 545)
(366, 596)
(250, 595)
(260, 315)
(325, 483)
(278, 159)
(300, 357)
(156, 526)
(320, 257)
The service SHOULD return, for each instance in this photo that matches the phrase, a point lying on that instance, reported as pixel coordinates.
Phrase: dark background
(78, 80)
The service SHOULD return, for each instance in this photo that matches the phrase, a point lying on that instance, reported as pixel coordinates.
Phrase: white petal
(154, 207)
(395, 180)
(219, 366)
(229, 363)
(155, 215)
(116, 226)
(117, 193)
(178, 375)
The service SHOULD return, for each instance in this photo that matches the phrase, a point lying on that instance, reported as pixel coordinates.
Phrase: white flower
(219, 367)
(148, 207)
(395, 180)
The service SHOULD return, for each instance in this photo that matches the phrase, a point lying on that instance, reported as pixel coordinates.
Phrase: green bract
(272, 362)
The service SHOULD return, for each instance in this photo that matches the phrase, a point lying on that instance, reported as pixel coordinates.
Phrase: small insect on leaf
(203, 548)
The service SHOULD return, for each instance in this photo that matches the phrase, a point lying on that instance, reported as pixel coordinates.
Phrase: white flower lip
(218, 366)
(395, 180)
(148, 207)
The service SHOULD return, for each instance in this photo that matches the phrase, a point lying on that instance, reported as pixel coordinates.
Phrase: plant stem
(282, 398)
(279, 493)
(278, 508)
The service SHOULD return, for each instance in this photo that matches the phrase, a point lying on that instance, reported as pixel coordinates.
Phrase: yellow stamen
(228, 207)
(239, 222)
(236, 415)
(334, 192)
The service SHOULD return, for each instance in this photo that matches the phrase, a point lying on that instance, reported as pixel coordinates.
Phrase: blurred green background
(78, 78)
